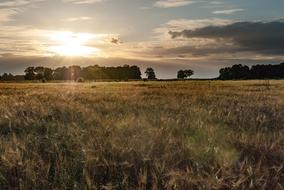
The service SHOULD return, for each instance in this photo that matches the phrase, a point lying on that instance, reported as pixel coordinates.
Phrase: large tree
(182, 74)
(150, 73)
(188, 73)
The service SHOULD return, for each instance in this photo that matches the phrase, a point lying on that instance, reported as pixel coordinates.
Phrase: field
(142, 135)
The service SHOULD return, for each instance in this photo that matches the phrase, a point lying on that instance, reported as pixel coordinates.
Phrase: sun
(72, 44)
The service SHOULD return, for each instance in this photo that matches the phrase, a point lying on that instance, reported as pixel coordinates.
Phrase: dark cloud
(266, 38)
(116, 41)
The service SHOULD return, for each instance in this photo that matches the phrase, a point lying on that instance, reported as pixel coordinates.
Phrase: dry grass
(142, 135)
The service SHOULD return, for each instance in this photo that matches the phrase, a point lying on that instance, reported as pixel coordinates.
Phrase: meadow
(142, 135)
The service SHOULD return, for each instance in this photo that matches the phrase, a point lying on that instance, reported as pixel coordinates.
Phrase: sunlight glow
(72, 44)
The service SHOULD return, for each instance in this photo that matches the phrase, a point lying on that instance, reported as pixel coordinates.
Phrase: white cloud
(8, 9)
(17, 3)
(228, 12)
(80, 2)
(74, 19)
(172, 3)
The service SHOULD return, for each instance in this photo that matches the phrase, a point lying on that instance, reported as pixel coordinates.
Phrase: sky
(167, 35)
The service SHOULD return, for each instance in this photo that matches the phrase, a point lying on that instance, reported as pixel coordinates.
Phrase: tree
(74, 72)
(10, 76)
(29, 73)
(181, 74)
(150, 73)
(5, 76)
(135, 72)
(255, 72)
(39, 71)
(48, 74)
(188, 73)
(60, 73)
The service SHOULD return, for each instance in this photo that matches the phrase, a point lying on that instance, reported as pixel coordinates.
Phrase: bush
(80, 79)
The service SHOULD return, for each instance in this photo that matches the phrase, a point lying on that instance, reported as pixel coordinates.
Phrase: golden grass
(142, 135)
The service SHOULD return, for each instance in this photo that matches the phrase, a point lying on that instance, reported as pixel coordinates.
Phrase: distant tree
(225, 73)
(29, 73)
(181, 74)
(135, 72)
(10, 76)
(60, 73)
(255, 72)
(150, 73)
(48, 74)
(89, 73)
(39, 73)
(188, 73)
(7, 77)
(239, 71)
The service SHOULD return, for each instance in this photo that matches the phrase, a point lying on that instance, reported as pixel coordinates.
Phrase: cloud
(172, 3)
(116, 41)
(81, 2)
(177, 25)
(18, 3)
(188, 24)
(228, 12)
(74, 19)
(262, 37)
(6, 14)
(8, 9)
(216, 3)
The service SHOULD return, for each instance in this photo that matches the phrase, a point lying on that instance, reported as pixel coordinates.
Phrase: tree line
(126, 72)
(75, 73)
(95, 72)
(7, 77)
(255, 72)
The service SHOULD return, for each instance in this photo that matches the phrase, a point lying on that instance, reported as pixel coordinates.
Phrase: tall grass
(142, 135)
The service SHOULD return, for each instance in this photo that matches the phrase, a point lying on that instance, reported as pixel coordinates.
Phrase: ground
(142, 135)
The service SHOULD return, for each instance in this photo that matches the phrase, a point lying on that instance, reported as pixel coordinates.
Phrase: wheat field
(142, 135)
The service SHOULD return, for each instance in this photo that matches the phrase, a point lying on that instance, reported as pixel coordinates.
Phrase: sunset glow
(72, 44)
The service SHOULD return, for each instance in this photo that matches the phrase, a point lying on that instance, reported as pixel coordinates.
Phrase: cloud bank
(262, 37)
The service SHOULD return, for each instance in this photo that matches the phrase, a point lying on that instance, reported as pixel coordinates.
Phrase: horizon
(270, 73)
(167, 35)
